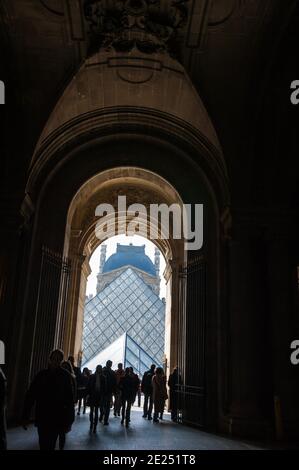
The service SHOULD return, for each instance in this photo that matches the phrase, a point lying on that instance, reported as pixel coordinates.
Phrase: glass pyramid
(127, 304)
(126, 351)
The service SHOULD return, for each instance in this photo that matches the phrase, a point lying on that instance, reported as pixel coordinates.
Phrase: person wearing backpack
(147, 390)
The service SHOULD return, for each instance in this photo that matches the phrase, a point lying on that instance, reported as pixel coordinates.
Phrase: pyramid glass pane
(127, 304)
(126, 351)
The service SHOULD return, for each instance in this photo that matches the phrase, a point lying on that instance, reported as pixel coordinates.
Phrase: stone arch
(156, 125)
(140, 186)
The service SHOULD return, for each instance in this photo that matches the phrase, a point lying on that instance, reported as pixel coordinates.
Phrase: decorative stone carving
(220, 11)
(148, 25)
(53, 6)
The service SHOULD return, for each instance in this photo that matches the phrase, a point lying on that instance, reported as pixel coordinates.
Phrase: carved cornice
(55, 7)
(147, 25)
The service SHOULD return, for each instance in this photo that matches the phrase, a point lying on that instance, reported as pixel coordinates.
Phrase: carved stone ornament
(149, 25)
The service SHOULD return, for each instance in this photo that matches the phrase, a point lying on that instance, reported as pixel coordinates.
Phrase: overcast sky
(111, 248)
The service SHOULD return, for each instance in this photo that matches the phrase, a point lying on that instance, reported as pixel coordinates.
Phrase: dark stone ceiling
(235, 52)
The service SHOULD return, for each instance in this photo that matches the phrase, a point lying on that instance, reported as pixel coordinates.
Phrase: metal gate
(191, 342)
(51, 307)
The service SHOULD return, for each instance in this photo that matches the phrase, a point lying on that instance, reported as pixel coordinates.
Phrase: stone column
(245, 335)
(15, 235)
(170, 319)
(284, 327)
(80, 272)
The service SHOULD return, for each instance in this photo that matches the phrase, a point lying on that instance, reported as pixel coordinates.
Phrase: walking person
(3, 442)
(174, 381)
(139, 394)
(147, 390)
(82, 390)
(76, 369)
(77, 372)
(51, 391)
(159, 393)
(96, 392)
(68, 366)
(136, 383)
(110, 389)
(119, 374)
(128, 394)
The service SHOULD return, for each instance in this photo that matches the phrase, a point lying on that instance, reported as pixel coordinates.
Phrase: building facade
(178, 102)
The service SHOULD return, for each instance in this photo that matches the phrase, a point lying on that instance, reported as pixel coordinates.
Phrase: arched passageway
(153, 150)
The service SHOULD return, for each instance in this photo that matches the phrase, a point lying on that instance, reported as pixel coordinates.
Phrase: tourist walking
(159, 393)
(147, 390)
(77, 372)
(119, 374)
(128, 394)
(174, 381)
(68, 366)
(136, 383)
(82, 390)
(51, 391)
(96, 392)
(110, 389)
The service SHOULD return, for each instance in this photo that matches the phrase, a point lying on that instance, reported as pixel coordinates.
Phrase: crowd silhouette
(57, 390)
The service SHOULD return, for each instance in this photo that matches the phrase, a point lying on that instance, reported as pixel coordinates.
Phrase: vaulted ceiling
(235, 52)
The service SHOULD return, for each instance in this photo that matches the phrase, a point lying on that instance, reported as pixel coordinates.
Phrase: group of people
(106, 384)
(106, 389)
(56, 390)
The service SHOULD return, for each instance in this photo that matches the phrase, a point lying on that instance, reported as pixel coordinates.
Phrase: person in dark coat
(77, 372)
(174, 381)
(68, 366)
(147, 390)
(127, 386)
(96, 393)
(139, 394)
(159, 393)
(119, 374)
(110, 389)
(3, 443)
(51, 391)
(136, 382)
(82, 390)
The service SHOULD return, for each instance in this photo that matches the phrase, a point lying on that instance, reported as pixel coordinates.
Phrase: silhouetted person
(136, 383)
(96, 391)
(119, 374)
(159, 393)
(110, 389)
(3, 443)
(52, 393)
(77, 372)
(174, 381)
(128, 394)
(147, 389)
(68, 366)
(139, 394)
(82, 390)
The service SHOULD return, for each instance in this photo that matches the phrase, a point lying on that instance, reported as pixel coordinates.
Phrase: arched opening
(125, 306)
(154, 149)
(139, 186)
(63, 228)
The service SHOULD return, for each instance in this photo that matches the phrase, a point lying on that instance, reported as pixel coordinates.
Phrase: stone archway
(157, 124)
(142, 187)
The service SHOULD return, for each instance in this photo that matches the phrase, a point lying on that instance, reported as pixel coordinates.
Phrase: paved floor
(142, 434)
